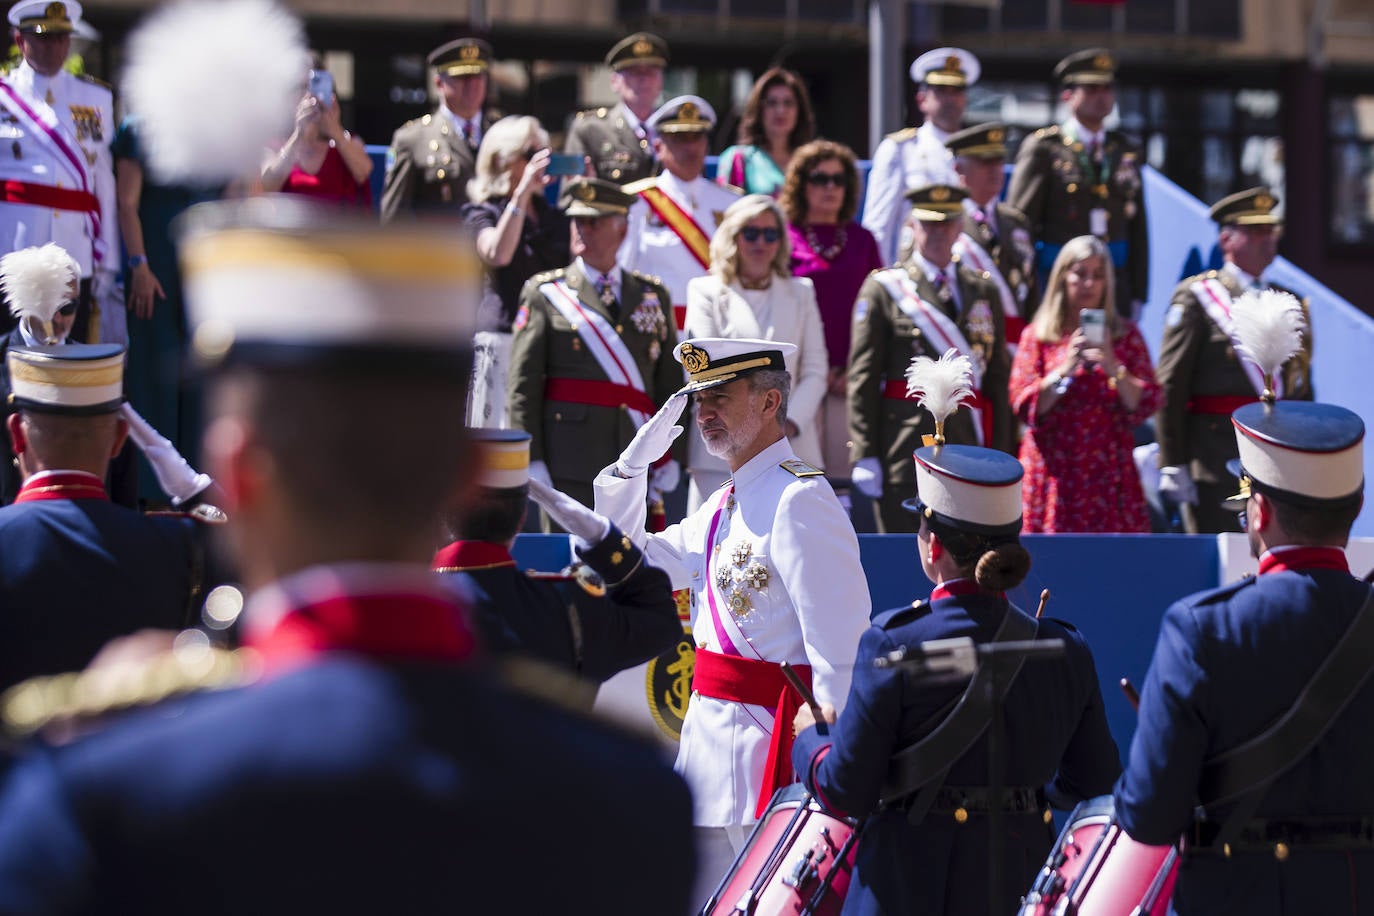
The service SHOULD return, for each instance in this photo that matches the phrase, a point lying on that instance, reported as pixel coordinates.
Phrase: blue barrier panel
(1113, 588)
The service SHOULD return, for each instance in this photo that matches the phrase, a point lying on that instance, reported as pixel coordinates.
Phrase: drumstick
(803, 691)
(1132, 695)
(1044, 599)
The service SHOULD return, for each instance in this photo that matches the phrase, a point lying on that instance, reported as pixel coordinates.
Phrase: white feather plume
(940, 385)
(214, 83)
(1268, 325)
(38, 281)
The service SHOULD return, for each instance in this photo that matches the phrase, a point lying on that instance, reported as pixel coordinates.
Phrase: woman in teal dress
(777, 120)
(153, 379)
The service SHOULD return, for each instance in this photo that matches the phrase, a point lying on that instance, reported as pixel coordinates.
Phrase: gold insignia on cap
(688, 112)
(584, 192)
(694, 359)
(55, 11)
(996, 136)
(1264, 202)
(642, 48)
(1102, 62)
(469, 52)
(939, 193)
(954, 63)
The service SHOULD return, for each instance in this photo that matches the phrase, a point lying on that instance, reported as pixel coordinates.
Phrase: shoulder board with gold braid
(640, 186)
(899, 136)
(798, 468)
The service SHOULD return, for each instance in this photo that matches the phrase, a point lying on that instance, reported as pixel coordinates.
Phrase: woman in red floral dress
(1080, 401)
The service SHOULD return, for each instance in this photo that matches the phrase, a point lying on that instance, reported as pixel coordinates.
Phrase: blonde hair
(503, 141)
(1052, 321)
(725, 246)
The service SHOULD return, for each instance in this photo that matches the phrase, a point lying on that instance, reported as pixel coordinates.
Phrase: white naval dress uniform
(652, 247)
(85, 112)
(811, 610)
(907, 159)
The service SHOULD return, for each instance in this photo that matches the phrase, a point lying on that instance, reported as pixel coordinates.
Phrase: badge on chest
(741, 576)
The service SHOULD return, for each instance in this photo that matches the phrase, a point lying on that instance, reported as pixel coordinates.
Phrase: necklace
(828, 253)
(757, 284)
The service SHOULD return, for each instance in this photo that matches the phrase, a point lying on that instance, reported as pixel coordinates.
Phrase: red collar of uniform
(1300, 559)
(461, 556)
(958, 588)
(61, 485)
(391, 620)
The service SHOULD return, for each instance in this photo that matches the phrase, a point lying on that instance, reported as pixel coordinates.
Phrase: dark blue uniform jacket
(1229, 662)
(74, 574)
(1056, 736)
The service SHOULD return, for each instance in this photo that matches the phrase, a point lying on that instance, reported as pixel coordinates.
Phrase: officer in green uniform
(1203, 378)
(1078, 178)
(617, 139)
(431, 159)
(592, 356)
(997, 236)
(923, 307)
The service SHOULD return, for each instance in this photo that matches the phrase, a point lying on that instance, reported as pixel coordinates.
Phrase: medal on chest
(739, 575)
(648, 318)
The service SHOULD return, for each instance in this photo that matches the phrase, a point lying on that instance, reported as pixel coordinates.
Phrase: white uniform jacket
(654, 248)
(786, 311)
(85, 112)
(907, 159)
(811, 609)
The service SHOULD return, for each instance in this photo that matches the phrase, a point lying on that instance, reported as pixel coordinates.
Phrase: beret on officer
(936, 203)
(463, 57)
(642, 49)
(594, 197)
(1093, 67)
(1255, 207)
(713, 361)
(686, 114)
(982, 141)
(946, 67)
(45, 17)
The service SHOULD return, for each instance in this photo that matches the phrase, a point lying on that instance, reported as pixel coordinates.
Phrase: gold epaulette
(798, 468)
(546, 276)
(95, 692)
(87, 78)
(900, 136)
(640, 186)
(593, 113)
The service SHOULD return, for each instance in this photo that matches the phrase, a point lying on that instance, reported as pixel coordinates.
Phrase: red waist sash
(1222, 404)
(46, 195)
(757, 683)
(598, 394)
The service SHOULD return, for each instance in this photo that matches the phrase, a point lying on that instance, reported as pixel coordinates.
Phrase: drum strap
(921, 767)
(1247, 771)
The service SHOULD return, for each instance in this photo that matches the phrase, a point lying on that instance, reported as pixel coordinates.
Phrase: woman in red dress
(320, 159)
(1080, 384)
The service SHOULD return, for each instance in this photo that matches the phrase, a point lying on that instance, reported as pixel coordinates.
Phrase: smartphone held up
(322, 86)
(1094, 325)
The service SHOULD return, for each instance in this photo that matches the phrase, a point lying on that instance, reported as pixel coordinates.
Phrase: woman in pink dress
(1080, 384)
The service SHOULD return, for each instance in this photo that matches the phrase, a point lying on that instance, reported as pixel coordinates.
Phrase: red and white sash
(937, 328)
(42, 124)
(602, 341)
(1216, 301)
(967, 249)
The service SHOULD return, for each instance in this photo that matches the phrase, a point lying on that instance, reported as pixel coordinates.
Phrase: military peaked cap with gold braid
(642, 49)
(1093, 67)
(76, 379)
(462, 57)
(45, 17)
(1254, 207)
(712, 361)
(936, 203)
(594, 197)
(983, 141)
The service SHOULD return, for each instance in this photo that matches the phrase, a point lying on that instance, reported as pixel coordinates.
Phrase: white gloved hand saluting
(1176, 484)
(540, 471)
(177, 478)
(868, 478)
(573, 517)
(653, 438)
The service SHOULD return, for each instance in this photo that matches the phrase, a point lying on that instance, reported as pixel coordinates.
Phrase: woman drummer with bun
(1058, 750)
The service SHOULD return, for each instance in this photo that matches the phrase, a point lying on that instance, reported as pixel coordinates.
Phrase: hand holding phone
(322, 86)
(1094, 325)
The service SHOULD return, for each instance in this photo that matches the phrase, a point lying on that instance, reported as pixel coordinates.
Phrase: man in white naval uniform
(772, 563)
(677, 211)
(58, 179)
(916, 157)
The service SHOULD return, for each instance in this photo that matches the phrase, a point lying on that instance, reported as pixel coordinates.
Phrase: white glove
(177, 478)
(540, 471)
(573, 517)
(666, 478)
(868, 478)
(1176, 484)
(653, 438)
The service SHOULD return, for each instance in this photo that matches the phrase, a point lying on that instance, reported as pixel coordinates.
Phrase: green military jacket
(1013, 251)
(428, 167)
(618, 154)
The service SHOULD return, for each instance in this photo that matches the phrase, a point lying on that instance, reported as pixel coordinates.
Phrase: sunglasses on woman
(821, 179)
(752, 233)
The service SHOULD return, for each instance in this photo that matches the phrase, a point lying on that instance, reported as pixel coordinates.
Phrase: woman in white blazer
(750, 292)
